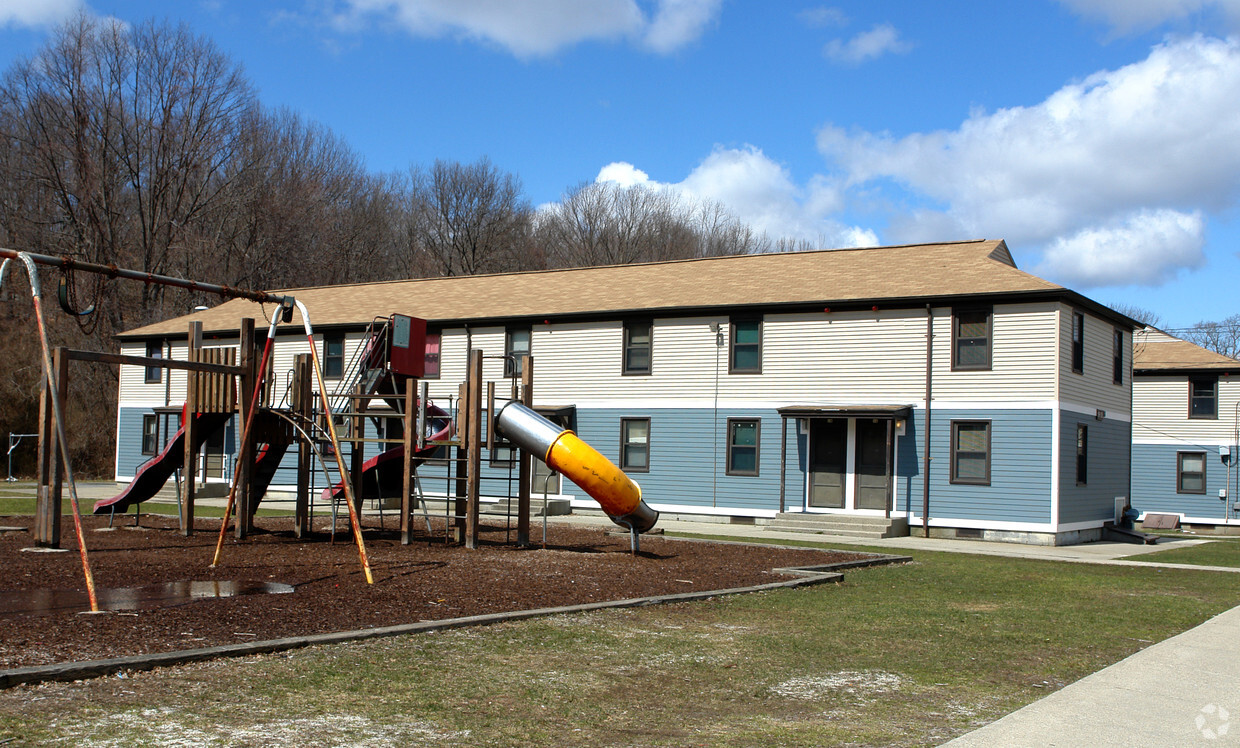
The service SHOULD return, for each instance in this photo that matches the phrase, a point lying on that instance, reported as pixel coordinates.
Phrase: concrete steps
(852, 526)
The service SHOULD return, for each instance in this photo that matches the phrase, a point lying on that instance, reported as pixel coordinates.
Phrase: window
(971, 332)
(516, 345)
(745, 352)
(971, 452)
(150, 434)
(1190, 471)
(431, 367)
(333, 356)
(635, 444)
(1078, 342)
(637, 334)
(1203, 397)
(1082, 454)
(154, 374)
(504, 454)
(743, 434)
(1117, 357)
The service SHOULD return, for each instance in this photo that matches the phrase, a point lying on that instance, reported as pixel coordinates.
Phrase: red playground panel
(407, 350)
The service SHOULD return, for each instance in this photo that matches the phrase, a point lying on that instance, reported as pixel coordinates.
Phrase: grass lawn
(1221, 552)
(898, 655)
(25, 507)
(17, 499)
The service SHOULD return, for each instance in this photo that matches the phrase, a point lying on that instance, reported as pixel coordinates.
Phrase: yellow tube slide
(565, 453)
(597, 475)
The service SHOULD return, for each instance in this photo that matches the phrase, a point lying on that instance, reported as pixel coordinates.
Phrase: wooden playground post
(525, 478)
(246, 449)
(48, 509)
(302, 410)
(409, 422)
(461, 484)
(473, 472)
(190, 464)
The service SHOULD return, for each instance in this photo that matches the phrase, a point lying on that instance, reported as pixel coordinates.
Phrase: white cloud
(534, 28)
(1156, 136)
(679, 22)
(623, 174)
(868, 45)
(760, 192)
(1148, 248)
(823, 16)
(36, 12)
(1132, 15)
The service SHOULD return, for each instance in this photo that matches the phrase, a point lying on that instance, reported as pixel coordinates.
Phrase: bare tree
(130, 133)
(302, 210)
(722, 233)
(465, 219)
(604, 223)
(1140, 314)
(1221, 337)
(116, 145)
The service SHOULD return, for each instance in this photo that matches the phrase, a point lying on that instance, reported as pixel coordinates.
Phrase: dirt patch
(427, 580)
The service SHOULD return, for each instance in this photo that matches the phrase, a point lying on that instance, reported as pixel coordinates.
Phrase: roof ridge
(656, 263)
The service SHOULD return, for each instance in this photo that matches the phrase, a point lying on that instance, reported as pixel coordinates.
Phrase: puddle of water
(165, 595)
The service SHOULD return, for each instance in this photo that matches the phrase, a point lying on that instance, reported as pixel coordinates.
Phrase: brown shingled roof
(818, 277)
(1155, 351)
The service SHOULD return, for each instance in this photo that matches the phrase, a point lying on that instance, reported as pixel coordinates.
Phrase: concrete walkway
(1182, 691)
(1104, 552)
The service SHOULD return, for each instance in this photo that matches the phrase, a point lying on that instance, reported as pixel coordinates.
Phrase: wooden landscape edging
(66, 671)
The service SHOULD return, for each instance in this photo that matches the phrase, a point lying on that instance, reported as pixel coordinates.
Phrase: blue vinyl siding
(129, 441)
(685, 467)
(1107, 468)
(1154, 481)
(907, 490)
(688, 454)
(1020, 468)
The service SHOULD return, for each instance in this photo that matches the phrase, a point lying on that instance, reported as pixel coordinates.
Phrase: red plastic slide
(381, 474)
(155, 472)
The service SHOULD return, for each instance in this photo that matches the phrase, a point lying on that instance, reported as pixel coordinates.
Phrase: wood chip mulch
(427, 580)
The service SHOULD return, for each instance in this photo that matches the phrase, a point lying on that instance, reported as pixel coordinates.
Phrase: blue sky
(1100, 138)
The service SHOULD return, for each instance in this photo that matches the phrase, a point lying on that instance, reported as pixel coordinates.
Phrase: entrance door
(872, 467)
(214, 464)
(828, 462)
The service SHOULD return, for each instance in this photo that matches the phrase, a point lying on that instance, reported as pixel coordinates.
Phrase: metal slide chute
(565, 452)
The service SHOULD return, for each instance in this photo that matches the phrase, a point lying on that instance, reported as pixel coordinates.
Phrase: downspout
(1132, 349)
(925, 469)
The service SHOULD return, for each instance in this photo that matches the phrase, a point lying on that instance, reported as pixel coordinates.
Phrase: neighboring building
(740, 386)
(1185, 405)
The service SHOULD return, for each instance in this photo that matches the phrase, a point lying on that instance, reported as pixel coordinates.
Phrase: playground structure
(390, 364)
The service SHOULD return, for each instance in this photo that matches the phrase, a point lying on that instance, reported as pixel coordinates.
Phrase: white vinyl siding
(1095, 387)
(134, 392)
(1160, 411)
(1022, 364)
(839, 357)
(851, 357)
